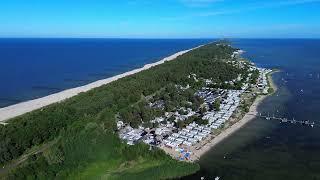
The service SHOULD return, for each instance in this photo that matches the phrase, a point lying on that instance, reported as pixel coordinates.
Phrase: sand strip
(9, 112)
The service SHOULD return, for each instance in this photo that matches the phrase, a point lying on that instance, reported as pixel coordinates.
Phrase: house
(187, 143)
(189, 135)
(176, 135)
(203, 134)
(193, 140)
(120, 124)
(170, 145)
(179, 140)
(198, 137)
(214, 126)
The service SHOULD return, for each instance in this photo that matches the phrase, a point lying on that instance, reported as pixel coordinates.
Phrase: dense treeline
(100, 105)
(85, 143)
(170, 98)
(254, 77)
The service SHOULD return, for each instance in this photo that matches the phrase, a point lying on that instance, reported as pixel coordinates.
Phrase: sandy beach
(226, 133)
(9, 112)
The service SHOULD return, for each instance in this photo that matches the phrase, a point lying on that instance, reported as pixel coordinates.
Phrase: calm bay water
(269, 150)
(32, 68)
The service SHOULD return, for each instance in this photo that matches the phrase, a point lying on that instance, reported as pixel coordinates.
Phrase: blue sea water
(269, 150)
(32, 68)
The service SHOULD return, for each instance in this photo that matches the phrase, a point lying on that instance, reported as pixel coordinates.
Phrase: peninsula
(126, 126)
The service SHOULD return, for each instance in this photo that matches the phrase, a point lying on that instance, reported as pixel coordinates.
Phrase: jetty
(285, 119)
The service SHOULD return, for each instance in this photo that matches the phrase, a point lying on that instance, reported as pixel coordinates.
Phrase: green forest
(76, 139)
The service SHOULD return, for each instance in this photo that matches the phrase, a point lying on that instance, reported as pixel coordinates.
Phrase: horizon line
(158, 38)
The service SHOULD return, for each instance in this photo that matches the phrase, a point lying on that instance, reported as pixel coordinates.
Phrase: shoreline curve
(249, 116)
(9, 112)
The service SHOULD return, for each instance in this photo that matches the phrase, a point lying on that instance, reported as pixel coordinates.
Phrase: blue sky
(160, 18)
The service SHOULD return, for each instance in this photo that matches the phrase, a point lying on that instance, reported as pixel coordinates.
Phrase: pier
(285, 120)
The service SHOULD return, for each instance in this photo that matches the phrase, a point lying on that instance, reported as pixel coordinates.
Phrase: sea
(261, 150)
(268, 149)
(33, 68)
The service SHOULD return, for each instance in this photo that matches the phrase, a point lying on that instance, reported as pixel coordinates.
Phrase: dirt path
(15, 163)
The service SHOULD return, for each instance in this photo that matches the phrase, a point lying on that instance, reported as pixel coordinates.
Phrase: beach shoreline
(9, 112)
(253, 110)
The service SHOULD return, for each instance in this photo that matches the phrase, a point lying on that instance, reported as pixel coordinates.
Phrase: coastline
(238, 125)
(16, 110)
(7, 113)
